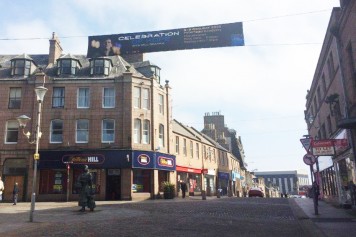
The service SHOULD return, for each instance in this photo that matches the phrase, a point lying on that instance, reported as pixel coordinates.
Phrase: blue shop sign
(235, 175)
(223, 175)
(112, 159)
(153, 160)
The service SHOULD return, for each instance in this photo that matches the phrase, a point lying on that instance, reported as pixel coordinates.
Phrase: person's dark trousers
(15, 199)
(183, 194)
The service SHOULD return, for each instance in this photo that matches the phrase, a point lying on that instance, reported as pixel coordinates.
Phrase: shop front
(117, 174)
(192, 177)
(59, 171)
(150, 170)
(223, 182)
(209, 182)
(236, 187)
(14, 171)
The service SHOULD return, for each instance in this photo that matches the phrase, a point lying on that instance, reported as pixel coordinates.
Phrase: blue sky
(260, 88)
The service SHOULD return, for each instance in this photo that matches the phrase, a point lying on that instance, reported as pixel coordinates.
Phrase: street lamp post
(23, 119)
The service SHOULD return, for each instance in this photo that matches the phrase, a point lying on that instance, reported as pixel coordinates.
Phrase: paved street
(178, 217)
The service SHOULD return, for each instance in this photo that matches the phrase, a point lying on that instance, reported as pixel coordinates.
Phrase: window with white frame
(146, 132)
(67, 66)
(100, 66)
(197, 150)
(108, 131)
(177, 144)
(15, 98)
(161, 135)
(184, 146)
(191, 149)
(137, 131)
(82, 131)
(83, 98)
(145, 99)
(109, 97)
(58, 97)
(56, 133)
(137, 97)
(20, 67)
(161, 104)
(12, 132)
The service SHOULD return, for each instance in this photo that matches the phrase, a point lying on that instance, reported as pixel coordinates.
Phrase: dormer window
(100, 66)
(68, 65)
(20, 67)
(156, 72)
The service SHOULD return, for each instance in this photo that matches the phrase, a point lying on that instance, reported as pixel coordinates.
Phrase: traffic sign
(309, 159)
(306, 142)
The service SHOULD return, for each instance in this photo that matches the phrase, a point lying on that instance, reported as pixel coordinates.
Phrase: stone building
(331, 104)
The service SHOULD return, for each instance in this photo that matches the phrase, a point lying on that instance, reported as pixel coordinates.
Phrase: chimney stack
(55, 49)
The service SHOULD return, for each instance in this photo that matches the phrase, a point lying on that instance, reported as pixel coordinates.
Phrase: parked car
(255, 192)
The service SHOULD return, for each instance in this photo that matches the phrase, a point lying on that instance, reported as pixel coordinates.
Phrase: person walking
(15, 193)
(1, 188)
(183, 187)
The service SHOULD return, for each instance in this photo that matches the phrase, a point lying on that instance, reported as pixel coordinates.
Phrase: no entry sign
(309, 159)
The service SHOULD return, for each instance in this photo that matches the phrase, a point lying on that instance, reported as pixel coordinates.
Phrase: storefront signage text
(84, 159)
(143, 159)
(164, 161)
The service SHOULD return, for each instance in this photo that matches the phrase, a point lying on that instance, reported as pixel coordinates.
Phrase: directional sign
(306, 143)
(309, 159)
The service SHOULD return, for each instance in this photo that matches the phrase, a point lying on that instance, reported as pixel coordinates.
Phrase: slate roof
(41, 61)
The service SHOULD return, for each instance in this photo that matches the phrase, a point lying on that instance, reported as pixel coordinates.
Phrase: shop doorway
(113, 185)
(9, 186)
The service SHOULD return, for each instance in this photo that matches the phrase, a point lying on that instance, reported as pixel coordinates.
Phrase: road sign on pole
(306, 142)
(309, 159)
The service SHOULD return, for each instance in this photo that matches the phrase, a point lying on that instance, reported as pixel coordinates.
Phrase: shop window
(141, 181)
(53, 182)
(95, 178)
